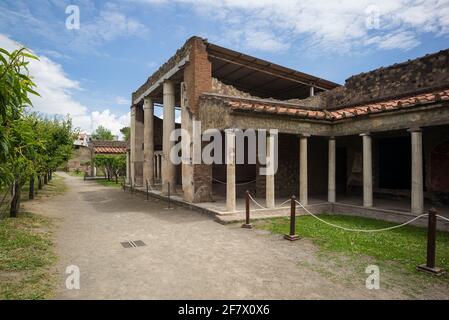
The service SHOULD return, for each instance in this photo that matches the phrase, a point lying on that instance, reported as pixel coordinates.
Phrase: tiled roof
(113, 147)
(296, 110)
(114, 150)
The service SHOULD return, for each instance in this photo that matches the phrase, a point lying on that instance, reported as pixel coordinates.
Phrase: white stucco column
(303, 179)
(312, 91)
(331, 171)
(148, 141)
(168, 168)
(417, 196)
(269, 178)
(128, 168)
(230, 170)
(367, 170)
(132, 139)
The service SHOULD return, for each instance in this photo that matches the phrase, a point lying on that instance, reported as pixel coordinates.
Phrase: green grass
(76, 174)
(54, 187)
(26, 250)
(110, 183)
(406, 246)
(26, 256)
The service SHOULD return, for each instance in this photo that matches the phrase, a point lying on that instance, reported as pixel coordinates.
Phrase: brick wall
(197, 74)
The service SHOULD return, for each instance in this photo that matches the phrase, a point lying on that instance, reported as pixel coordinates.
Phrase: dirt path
(187, 255)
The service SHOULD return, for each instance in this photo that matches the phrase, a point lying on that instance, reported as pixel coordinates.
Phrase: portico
(338, 146)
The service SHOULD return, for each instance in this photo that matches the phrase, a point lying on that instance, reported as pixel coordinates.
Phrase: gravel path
(187, 255)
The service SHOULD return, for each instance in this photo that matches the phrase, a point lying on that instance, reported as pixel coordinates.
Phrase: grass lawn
(26, 256)
(406, 246)
(54, 187)
(26, 250)
(76, 174)
(110, 183)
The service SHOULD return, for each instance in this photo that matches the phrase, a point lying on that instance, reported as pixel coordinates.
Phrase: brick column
(148, 141)
(367, 171)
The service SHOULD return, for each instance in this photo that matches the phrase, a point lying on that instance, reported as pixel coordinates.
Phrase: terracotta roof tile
(278, 107)
(114, 150)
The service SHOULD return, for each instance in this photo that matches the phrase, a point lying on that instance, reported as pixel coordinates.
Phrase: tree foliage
(30, 145)
(113, 165)
(126, 131)
(102, 134)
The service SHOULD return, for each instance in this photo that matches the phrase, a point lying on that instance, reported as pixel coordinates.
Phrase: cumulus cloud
(332, 26)
(109, 120)
(56, 91)
(108, 25)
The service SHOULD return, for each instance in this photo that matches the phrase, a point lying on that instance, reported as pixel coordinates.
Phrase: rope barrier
(258, 204)
(237, 184)
(361, 230)
(286, 201)
(443, 218)
(149, 185)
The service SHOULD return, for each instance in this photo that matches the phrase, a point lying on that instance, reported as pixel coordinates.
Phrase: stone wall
(286, 180)
(219, 87)
(422, 74)
(436, 163)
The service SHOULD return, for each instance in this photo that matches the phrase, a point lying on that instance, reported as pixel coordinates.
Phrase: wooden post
(247, 224)
(431, 245)
(292, 236)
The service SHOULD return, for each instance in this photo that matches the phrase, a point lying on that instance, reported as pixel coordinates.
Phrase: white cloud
(56, 91)
(122, 101)
(401, 40)
(331, 26)
(107, 26)
(110, 121)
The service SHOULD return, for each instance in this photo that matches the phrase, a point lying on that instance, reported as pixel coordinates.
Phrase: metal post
(146, 181)
(431, 245)
(247, 224)
(168, 194)
(292, 236)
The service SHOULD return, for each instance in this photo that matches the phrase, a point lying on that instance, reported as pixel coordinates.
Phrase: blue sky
(90, 72)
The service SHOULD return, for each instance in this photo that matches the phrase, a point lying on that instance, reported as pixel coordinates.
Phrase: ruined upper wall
(414, 76)
(221, 88)
(171, 63)
(228, 90)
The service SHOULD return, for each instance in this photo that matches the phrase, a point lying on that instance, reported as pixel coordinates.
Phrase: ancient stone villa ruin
(380, 138)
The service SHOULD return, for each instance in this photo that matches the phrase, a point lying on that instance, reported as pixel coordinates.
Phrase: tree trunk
(50, 176)
(116, 179)
(39, 182)
(31, 192)
(45, 178)
(15, 201)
